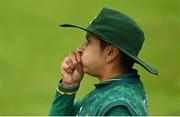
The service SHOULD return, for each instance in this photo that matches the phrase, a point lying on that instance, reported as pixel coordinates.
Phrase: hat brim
(136, 59)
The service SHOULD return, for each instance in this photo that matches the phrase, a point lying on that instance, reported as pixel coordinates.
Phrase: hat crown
(118, 29)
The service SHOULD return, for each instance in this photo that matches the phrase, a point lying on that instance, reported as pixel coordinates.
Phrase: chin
(85, 69)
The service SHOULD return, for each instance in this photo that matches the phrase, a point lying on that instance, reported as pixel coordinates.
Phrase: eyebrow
(87, 37)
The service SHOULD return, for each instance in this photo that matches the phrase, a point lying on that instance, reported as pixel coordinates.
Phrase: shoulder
(128, 96)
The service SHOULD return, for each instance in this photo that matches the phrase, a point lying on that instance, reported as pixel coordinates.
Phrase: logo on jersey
(145, 105)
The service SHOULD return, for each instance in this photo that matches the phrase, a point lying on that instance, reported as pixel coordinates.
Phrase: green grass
(32, 47)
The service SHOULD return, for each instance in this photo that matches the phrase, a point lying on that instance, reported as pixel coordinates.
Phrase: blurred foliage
(32, 46)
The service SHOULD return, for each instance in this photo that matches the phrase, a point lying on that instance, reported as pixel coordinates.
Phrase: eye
(87, 39)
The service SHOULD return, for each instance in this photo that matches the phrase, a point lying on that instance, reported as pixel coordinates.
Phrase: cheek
(87, 57)
(92, 59)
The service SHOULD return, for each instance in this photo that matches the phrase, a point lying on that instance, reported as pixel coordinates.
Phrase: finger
(62, 63)
(66, 68)
(70, 63)
(78, 56)
(73, 58)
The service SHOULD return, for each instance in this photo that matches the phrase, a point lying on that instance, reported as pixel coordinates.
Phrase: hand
(71, 70)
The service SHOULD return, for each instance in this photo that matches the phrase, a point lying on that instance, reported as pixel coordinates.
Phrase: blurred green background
(32, 47)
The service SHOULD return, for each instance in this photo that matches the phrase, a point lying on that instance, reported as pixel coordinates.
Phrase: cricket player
(113, 41)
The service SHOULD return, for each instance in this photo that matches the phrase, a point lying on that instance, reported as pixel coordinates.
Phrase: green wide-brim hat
(120, 30)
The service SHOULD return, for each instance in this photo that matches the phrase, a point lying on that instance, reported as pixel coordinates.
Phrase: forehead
(92, 38)
(92, 35)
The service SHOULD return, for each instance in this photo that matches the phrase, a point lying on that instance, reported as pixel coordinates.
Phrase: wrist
(69, 85)
(66, 90)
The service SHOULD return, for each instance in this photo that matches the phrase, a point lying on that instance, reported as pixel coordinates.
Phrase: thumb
(79, 67)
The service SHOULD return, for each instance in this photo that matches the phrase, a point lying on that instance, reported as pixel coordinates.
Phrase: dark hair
(125, 60)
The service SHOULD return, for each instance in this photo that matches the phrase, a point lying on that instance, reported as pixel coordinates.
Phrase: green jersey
(121, 95)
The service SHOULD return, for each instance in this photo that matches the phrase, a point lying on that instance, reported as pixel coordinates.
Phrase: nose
(81, 48)
(80, 51)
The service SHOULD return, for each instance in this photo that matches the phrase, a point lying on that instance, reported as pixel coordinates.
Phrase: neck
(110, 72)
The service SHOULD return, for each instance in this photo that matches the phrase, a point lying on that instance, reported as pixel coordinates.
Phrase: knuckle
(74, 62)
(70, 65)
(65, 66)
(66, 59)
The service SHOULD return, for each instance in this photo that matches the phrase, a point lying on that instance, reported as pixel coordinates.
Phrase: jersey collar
(124, 76)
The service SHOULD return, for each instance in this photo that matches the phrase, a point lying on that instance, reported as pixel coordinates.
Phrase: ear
(111, 53)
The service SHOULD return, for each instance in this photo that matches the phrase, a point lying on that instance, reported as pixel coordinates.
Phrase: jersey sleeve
(63, 105)
(118, 111)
